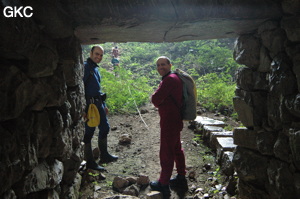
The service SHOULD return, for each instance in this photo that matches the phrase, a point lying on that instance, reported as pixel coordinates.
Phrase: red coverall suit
(168, 99)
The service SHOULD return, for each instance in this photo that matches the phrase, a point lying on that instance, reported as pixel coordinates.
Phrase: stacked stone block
(41, 102)
(267, 102)
(219, 140)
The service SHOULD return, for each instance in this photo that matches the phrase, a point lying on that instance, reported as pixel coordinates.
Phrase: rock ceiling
(97, 21)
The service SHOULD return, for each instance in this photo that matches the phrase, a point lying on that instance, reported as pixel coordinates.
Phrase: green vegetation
(109, 183)
(215, 92)
(198, 138)
(124, 91)
(129, 85)
(93, 174)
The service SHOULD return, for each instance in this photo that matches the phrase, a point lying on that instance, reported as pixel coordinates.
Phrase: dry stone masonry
(267, 157)
(221, 142)
(41, 102)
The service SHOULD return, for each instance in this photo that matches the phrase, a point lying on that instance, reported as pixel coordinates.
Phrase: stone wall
(267, 159)
(41, 100)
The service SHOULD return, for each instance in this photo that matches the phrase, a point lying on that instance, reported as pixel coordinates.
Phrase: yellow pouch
(93, 116)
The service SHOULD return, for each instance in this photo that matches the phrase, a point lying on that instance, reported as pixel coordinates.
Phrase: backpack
(188, 109)
(93, 116)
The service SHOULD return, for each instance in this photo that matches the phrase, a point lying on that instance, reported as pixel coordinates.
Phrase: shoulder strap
(176, 103)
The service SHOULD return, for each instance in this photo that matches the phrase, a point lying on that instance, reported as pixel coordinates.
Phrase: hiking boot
(105, 157)
(90, 162)
(179, 180)
(94, 166)
(164, 189)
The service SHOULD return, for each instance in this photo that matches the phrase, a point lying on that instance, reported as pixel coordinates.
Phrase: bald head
(163, 65)
(164, 57)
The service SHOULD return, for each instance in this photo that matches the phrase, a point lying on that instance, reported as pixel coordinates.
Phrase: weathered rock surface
(41, 106)
(44, 176)
(130, 185)
(267, 101)
(152, 21)
(154, 195)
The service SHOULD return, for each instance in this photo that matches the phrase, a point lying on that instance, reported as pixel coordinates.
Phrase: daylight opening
(132, 75)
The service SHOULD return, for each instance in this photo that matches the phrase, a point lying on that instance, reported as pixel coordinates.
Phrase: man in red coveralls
(168, 99)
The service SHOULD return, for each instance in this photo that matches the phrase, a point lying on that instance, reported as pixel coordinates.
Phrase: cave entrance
(210, 62)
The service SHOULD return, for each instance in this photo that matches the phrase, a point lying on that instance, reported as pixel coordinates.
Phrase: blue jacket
(91, 79)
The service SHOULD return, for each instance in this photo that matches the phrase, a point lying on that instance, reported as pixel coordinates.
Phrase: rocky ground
(140, 157)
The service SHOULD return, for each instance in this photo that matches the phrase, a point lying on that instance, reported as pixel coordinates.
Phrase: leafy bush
(124, 90)
(214, 93)
(197, 57)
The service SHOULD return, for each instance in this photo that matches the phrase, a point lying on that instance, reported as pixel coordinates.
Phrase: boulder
(119, 184)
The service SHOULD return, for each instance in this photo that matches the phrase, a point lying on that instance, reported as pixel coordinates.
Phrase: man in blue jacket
(92, 86)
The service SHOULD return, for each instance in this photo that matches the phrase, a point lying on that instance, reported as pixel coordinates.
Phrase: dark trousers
(170, 152)
(103, 126)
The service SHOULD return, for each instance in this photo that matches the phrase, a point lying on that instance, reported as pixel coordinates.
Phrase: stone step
(219, 140)
(200, 121)
(224, 144)
(207, 130)
(214, 135)
(226, 163)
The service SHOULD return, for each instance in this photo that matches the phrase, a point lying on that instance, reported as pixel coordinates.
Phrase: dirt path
(141, 156)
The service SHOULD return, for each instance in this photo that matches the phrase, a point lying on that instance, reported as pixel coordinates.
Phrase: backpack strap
(176, 103)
